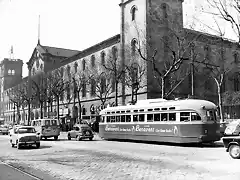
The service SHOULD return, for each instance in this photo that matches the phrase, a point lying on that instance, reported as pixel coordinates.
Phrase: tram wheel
(234, 151)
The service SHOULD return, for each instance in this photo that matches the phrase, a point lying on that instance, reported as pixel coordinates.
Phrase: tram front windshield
(211, 115)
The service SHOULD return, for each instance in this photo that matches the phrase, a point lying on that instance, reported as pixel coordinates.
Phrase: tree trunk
(29, 113)
(163, 86)
(219, 100)
(132, 94)
(79, 106)
(116, 94)
(18, 114)
(57, 107)
(23, 109)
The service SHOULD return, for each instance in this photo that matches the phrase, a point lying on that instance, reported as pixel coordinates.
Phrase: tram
(160, 120)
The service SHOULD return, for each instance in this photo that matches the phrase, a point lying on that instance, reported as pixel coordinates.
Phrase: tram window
(156, 117)
(135, 110)
(118, 112)
(150, 109)
(141, 110)
(172, 108)
(123, 118)
(164, 117)
(164, 108)
(185, 116)
(128, 111)
(156, 109)
(112, 118)
(141, 118)
(172, 116)
(108, 118)
(195, 117)
(122, 111)
(102, 119)
(128, 118)
(150, 117)
(108, 112)
(135, 118)
(117, 118)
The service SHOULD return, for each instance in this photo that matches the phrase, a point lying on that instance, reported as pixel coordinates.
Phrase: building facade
(152, 38)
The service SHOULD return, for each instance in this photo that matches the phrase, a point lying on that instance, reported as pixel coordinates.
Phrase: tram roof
(178, 104)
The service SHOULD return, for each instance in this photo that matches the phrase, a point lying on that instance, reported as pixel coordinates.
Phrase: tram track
(20, 170)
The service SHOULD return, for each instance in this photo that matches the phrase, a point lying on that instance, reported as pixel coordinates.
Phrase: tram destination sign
(142, 129)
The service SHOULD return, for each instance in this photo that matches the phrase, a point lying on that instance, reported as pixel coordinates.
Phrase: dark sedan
(232, 143)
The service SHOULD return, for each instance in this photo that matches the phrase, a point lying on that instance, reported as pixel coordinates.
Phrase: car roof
(25, 127)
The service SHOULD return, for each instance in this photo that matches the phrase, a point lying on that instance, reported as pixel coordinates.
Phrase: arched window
(133, 12)
(93, 61)
(93, 87)
(133, 46)
(83, 64)
(9, 72)
(103, 58)
(75, 67)
(13, 72)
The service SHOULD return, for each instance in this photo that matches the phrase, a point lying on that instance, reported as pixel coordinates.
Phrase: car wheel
(78, 138)
(234, 151)
(18, 146)
(37, 145)
(69, 137)
(55, 138)
(90, 138)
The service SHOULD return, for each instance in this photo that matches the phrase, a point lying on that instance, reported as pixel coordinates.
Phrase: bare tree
(176, 43)
(15, 97)
(79, 82)
(134, 78)
(40, 91)
(101, 85)
(57, 85)
(228, 10)
(114, 67)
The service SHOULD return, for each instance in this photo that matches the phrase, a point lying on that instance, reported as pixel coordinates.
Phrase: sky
(70, 24)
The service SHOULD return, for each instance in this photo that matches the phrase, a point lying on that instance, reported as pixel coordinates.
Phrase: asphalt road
(113, 160)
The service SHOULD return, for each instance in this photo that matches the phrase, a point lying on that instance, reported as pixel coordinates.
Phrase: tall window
(103, 58)
(235, 56)
(114, 52)
(83, 64)
(236, 83)
(113, 84)
(133, 47)
(93, 61)
(75, 67)
(84, 86)
(133, 13)
(164, 10)
(93, 87)
(103, 84)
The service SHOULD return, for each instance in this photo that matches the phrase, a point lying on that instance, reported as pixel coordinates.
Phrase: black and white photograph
(119, 89)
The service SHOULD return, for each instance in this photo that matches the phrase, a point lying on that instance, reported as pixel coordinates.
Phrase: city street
(99, 159)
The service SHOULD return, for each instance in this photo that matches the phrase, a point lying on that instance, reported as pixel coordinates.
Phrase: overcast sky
(71, 24)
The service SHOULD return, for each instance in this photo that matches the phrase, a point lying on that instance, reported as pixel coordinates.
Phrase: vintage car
(4, 129)
(81, 131)
(233, 128)
(232, 143)
(24, 136)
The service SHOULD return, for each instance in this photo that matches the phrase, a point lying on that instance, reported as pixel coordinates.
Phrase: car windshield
(26, 130)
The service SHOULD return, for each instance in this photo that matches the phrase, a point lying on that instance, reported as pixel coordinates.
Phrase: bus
(160, 120)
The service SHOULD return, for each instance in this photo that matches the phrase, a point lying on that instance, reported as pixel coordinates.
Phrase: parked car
(4, 129)
(81, 131)
(233, 146)
(223, 126)
(233, 128)
(24, 136)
